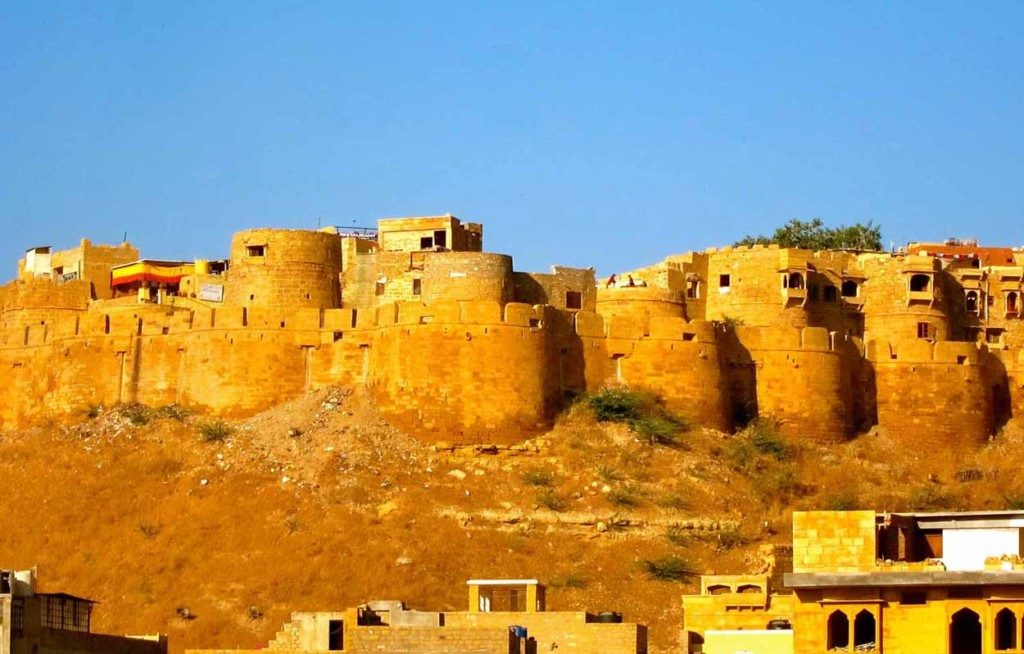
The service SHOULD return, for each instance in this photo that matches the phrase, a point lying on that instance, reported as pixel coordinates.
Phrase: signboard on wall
(68, 277)
(211, 292)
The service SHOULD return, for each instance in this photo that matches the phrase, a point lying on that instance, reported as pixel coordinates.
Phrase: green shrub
(660, 430)
(538, 477)
(729, 537)
(844, 500)
(1013, 502)
(764, 436)
(671, 501)
(214, 431)
(930, 498)
(608, 474)
(781, 484)
(571, 580)
(550, 501)
(174, 412)
(617, 404)
(677, 535)
(668, 568)
(137, 414)
(620, 497)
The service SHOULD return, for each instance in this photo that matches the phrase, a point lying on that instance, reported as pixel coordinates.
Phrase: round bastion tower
(284, 269)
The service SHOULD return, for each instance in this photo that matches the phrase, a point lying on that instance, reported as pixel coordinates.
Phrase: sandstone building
(504, 616)
(455, 344)
(32, 622)
(897, 583)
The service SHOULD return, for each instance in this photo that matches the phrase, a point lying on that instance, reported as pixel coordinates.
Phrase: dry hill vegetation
(215, 532)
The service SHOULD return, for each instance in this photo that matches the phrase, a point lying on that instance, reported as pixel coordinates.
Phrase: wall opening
(335, 635)
(971, 302)
(830, 293)
(752, 589)
(256, 250)
(573, 300)
(427, 243)
(693, 289)
(850, 288)
(924, 330)
(919, 283)
(417, 286)
(1011, 302)
(838, 631)
(1006, 630)
(354, 313)
(441, 238)
(718, 589)
(795, 280)
(914, 597)
(965, 633)
(378, 289)
(724, 281)
(864, 631)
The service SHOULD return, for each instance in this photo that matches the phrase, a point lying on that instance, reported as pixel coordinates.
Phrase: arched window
(864, 629)
(719, 589)
(849, 288)
(838, 635)
(1011, 302)
(965, 633)
(796, 280)
(919, 283)
(1006, 630)
(749, 588)
(972, 301)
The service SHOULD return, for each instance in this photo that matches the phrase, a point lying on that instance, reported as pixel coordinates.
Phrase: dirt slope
(319, 504)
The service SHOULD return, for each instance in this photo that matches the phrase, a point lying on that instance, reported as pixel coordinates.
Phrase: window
(919, 283)
(417, 287)
(693, 289)
(812, 292)
(971, 302)
(830, 293)
(838, 631)
(719, 589)
(379, 288)
(17, 616)
(863, 630)
(426, 243)
(994, 336)
(441, 238)
(1006, 630)
(849, 288)
(256, 250)
(573, 300)
(796, 281)
(749, 588)
(335, 635)
(924, 330)
(1011, 302)
(723, 281)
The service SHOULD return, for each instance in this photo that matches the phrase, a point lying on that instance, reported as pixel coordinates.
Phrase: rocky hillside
(215, 532)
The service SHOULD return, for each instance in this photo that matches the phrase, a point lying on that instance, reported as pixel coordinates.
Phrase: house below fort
(867, 582)
(457, 345)
(34, 622)
(504, 616)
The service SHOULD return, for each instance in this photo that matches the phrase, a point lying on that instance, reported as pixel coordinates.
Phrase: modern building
(33, 622)
(906, 583)
(504, 616)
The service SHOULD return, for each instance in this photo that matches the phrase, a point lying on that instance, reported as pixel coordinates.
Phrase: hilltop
(319, 503)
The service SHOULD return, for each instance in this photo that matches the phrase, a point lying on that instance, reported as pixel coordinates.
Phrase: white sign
(211, 292)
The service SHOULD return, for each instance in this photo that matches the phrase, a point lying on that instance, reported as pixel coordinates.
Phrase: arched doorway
(965, 633)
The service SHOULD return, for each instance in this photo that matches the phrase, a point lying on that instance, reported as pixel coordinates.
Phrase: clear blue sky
(589, 133)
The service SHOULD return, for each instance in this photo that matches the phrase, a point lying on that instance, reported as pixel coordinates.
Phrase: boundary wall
(932, 392)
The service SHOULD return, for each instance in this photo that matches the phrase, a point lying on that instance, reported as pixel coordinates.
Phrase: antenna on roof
(124, 239)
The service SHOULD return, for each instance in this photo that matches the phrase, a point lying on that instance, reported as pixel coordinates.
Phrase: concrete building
(899, 583)
(504, 616)
(33, 622)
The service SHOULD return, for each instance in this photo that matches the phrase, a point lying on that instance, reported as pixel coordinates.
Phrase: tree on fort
(814, 235)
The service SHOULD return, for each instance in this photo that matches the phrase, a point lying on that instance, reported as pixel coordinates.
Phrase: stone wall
(284, 269)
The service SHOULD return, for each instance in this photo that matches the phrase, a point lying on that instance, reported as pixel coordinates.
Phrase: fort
(456, 345)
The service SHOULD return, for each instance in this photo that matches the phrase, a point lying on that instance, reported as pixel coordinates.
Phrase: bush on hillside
(668, 568)
(642, 412)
